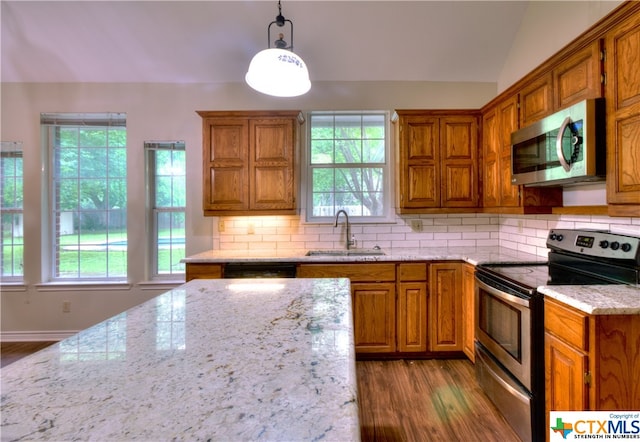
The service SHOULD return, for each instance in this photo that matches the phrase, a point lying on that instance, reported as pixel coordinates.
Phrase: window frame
(387, 166)
(150, 148)
(13, 149)
(49, 123)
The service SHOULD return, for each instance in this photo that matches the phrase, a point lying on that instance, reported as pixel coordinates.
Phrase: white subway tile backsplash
(519, 232)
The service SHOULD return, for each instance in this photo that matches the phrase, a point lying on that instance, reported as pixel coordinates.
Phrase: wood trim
(245, 114)
(581, 210)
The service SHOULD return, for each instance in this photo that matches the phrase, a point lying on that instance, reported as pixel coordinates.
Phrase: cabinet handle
(587, 378)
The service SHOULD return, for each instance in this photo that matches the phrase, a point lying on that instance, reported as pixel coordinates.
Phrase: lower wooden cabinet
(202, 271)
(373, 301)
(591, 361)
(468, 311)
(374, 317)
(445, 307)
(415, 308)
(412, 307)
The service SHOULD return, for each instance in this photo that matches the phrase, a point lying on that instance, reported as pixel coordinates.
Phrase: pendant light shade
(278, 71)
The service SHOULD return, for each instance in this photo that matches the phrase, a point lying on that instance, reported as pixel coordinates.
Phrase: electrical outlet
(251, 229)
(520, 226)
(66, 306)
(220, 225)
(416, 225)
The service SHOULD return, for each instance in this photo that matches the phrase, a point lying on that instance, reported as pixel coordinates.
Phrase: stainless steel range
(510, 316)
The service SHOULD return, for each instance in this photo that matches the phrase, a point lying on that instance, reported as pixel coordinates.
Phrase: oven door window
(502, 323)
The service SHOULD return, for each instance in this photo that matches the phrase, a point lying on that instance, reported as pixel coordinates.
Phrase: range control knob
(559, 237)
(604, 244)
(615, 245)
(625, 247)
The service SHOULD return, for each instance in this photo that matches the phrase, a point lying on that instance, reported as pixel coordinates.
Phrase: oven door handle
(512, 299)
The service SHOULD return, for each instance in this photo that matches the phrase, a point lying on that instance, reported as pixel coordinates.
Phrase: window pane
(93, 137)
(322, 151)
(11, 211)
(348, 151)
(167, 199)
(341, 168)
(89, 197)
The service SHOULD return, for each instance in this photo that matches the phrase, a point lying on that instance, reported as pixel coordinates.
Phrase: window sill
(55, 286)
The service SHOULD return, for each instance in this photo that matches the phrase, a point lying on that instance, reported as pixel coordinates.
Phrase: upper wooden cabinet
(437, 160)
(566, 81)
(536, 99)
(249, 162)
(579, 76)
(622, 45)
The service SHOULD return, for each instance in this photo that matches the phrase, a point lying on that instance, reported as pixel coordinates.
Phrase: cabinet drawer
(355, 272)
(566, 323)
(412, 272)
(203, 271)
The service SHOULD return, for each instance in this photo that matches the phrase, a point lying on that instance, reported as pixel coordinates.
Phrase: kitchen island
(210, 360)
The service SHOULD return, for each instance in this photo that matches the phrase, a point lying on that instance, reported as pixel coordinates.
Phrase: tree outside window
(348, 165)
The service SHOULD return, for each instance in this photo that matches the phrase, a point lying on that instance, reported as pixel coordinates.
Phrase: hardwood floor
(12, 351)
(403, 400)
(426, 400)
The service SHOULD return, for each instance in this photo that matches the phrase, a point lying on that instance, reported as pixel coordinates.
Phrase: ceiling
(214, 41)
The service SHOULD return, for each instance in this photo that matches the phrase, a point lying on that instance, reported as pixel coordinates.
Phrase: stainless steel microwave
(563, 148)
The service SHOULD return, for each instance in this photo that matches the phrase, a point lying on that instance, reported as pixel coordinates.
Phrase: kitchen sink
(354, 252)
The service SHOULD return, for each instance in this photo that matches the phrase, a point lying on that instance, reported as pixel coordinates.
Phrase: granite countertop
(597, 299)
(473, 255)
(210, 360)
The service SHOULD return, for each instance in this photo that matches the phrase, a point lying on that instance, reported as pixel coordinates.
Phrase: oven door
(503, 327)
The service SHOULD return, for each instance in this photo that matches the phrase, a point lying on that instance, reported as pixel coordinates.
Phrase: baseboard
(36, 336)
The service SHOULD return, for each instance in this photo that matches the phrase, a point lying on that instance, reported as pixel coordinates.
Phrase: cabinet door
(622, 44)
(490, 159)
(565, 370)
(445, 307)
(578, 77)
(419, 159)
(459, 161)
(374, 317)
(468, 311)
(225, 169)
(412, 316)
(536, 100)
(509, 195)
(497, 125)
(271, 163)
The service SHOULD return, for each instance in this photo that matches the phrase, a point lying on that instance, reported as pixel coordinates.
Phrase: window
(88, 195)
(11, 194)
(166, 175)
(348, 166)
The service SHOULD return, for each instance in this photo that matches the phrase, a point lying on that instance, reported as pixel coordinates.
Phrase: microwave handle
(565, 164)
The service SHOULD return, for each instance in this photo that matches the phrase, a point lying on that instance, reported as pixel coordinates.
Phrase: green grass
(96, 262)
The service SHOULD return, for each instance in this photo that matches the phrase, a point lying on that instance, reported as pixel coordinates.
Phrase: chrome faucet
(351, 241)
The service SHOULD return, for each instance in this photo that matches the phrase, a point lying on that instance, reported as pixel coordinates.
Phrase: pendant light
(278, 71)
